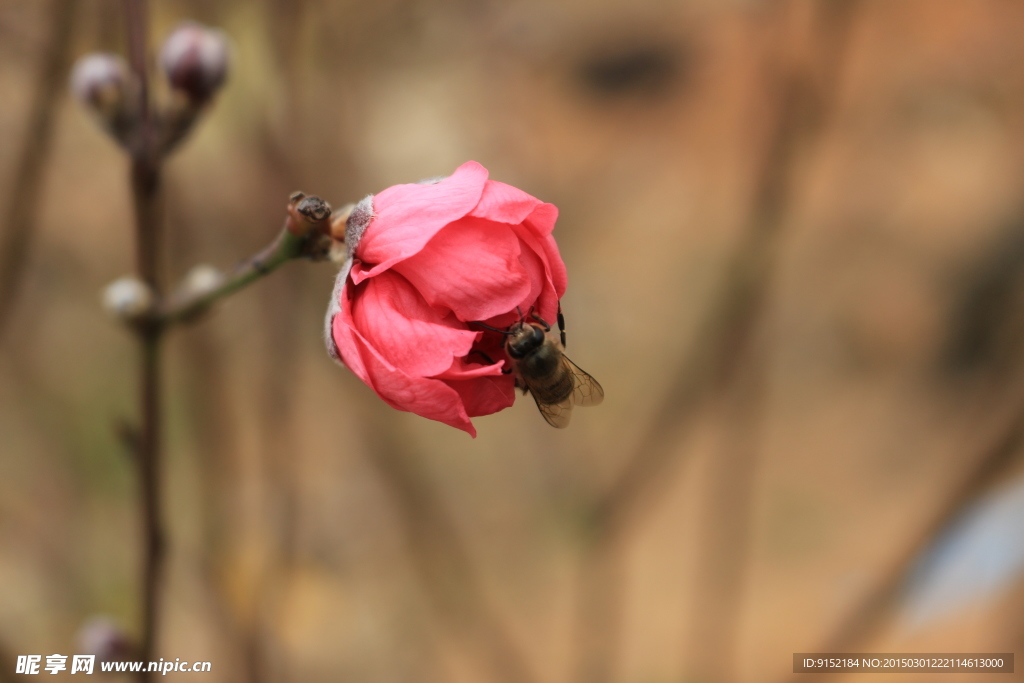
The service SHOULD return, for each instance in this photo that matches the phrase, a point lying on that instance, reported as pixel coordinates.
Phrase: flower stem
(145, 181)
(149, 460)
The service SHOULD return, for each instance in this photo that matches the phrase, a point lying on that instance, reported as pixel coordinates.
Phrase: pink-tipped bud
(195, 60)
(102, 637)
(103, 83)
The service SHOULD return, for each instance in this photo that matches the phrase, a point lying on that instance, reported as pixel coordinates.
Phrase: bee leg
(561, 324)
(490, 361)
(504, 371)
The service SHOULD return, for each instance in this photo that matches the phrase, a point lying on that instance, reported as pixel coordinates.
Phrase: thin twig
(22, 205)
(186, 305)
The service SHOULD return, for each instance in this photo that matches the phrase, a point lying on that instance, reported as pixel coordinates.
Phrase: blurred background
(794, 232)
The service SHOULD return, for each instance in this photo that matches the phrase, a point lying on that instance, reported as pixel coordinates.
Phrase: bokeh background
(794, 231)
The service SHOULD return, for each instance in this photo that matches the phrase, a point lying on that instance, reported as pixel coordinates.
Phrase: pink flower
(426, 261)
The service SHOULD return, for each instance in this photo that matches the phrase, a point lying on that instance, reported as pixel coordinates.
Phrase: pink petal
(461, 369)
(541, 222)
(410, 335)
(504, 203)
(540, 281)
(343, 335)
(408, 216)
(485, 395)
(471, 268)
(543, 218)
(555, 282)
(541, 298)
(484, 388)
(430, 398)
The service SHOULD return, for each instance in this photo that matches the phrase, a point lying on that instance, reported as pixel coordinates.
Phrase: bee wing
(556, 414)
(586, 390)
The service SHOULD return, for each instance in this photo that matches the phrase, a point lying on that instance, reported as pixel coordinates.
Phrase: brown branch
(22, 206)
(730, 321)
(724, 341)
(145, 184)
(712, 645)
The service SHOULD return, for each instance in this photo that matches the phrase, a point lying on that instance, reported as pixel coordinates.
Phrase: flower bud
(308, 215)
(202, 279)
(102, 637)
(128, 298)
(433, 268)
(103, 83)
(195, 60)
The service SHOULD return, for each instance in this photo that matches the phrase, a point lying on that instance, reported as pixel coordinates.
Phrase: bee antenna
(520, 312)
(488, 327)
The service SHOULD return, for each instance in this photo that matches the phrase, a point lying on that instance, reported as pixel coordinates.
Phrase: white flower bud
(103, 83)
(128, 298)
(202, 279)
(195, 60)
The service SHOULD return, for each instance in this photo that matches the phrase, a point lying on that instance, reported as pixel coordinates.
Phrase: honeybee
(542, 369)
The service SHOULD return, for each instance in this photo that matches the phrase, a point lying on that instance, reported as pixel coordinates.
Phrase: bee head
(523, 338)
